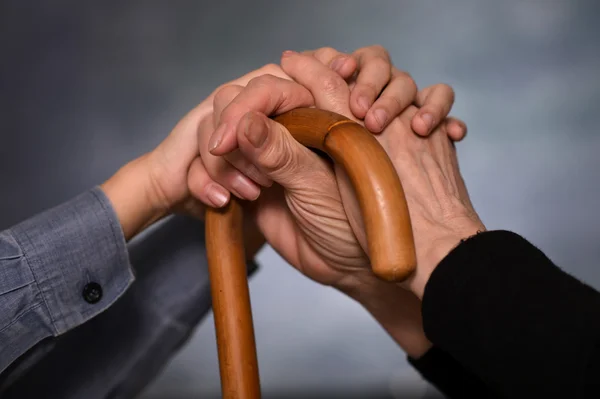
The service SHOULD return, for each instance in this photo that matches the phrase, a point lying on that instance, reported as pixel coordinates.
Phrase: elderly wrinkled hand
(310, 215)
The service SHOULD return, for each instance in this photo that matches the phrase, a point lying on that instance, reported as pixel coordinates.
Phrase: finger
(237, 159)
(266, 94)
(222, 171)
(271, 147)
(222, 99)
(344, 64)
(269, 69)
(457, 129)
(205, 189)
(396, 97)
(435, 103)
(374, 73)
(330, 90)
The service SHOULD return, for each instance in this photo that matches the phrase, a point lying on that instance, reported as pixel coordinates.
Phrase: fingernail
(245, 188)
(217, 137)
(217, 195)
(256, 131)
(381, 116)
(364, 102)
(428, 119)
(338, 63)
(288, 53)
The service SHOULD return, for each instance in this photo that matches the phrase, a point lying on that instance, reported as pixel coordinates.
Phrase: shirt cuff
(78, 257)
(448, 376)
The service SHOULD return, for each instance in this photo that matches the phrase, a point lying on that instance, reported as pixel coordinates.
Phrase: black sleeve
(522, 326)
(448, 376)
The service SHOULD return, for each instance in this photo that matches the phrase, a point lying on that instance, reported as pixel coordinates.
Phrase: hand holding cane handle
(386, 218)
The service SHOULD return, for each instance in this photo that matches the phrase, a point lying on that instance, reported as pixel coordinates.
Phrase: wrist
(396, 309)
(438, 250)
(130, 192)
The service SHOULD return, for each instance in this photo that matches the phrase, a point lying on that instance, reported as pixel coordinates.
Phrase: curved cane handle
(387, 224)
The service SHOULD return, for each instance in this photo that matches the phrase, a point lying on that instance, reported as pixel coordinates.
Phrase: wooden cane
(386, 219)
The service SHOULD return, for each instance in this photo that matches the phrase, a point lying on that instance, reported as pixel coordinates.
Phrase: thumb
(272, 149)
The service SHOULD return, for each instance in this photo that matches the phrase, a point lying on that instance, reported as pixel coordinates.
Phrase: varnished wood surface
(387, 224)
(379, 191)
(231, 302)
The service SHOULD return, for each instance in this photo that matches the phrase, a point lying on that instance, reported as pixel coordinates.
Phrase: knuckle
(408, 83)
(258, 81)
(450, 91)
(254, 81)
(371, 89)
(325, 50)
(401, 74)
(411, 86)
(270, 69)
(381, 64)
(328, 49)
(265, 80)
(368, 89)
(325, 54)
(226, 92)
(268, 79)
(331, 83)
(381, 50)
(395, 103)
(375, 50)
(260, 86)
(446, 97)
(446, 91)
(362, 50)
(358, 56)
(407, 77)
(445, 87)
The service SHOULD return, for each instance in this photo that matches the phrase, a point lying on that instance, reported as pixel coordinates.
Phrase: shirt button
(92, 293)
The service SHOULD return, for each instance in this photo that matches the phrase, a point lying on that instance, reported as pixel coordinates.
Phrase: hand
(450, 211)
(378, 91)
(156, 184)
(372, 81)
(321, 245)
(440, 208)
(311, 181)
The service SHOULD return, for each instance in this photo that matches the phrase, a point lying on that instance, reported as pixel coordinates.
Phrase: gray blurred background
(88, 86)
